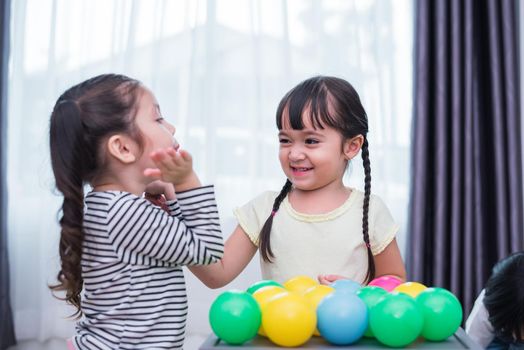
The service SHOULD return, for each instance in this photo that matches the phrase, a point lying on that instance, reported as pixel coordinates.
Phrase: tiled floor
(193, 342)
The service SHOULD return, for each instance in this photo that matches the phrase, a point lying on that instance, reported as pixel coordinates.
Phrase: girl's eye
(311, 141)
(283, 140)
(159, 119)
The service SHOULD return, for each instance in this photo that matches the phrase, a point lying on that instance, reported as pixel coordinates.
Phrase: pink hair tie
(273, 212)
(368, 245)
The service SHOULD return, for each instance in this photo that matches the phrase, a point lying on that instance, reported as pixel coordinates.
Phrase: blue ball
(342, 318)
(348, 286)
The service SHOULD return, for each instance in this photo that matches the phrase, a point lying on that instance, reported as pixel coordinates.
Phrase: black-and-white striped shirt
(134, 290)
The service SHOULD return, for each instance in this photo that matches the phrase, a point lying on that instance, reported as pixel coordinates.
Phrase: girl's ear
(352, 146)
(122, 148)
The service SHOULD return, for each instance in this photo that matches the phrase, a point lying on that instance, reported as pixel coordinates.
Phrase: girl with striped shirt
(122, 256)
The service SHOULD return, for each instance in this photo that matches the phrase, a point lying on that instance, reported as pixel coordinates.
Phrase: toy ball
(396, 320)
(410, 288)
(299, 284)
(235, 317)
(315, 295)
(370, 295)
(345, 285)
(289, 320)
(263, 296)
(257, 285)
(386, 282)
(342, 318)
(442, 313)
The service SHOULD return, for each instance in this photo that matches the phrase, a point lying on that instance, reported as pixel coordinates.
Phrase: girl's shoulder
(101, 197)
(373, 198)
(110, 195)
(113, 199)
(267, 195)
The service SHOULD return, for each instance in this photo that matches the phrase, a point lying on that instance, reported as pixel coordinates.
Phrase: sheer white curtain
(218, 69)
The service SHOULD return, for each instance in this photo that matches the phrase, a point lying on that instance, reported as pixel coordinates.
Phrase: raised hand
(328, 279)
(175, 167)
(158, 188)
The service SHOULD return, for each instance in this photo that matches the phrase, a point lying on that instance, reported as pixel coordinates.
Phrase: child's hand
(328, 279)
(158, 187)
(174, 167)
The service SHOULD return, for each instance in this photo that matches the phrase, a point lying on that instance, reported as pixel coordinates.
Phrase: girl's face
(312, 158)
(157, 133)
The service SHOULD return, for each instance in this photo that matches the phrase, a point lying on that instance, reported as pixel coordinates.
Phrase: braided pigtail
(365, 222)
(265, 233)
(70, 160)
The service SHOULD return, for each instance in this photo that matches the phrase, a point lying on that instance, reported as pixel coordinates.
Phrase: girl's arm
(388, 262)
(144, 234)
(158, 188)
(238, 252)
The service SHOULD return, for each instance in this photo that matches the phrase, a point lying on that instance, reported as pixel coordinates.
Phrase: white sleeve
(253, 215)
(478, 326)
(383, 227)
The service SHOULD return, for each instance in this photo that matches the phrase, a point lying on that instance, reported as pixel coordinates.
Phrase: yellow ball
(315, 295)
(410, 288)
(289, 320)
(263, 296)
(299, 284)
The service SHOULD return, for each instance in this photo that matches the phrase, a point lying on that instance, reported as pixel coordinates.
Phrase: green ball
(260, 284)
(235, 317)
(442, 313)
(396, 320)
(370, 295)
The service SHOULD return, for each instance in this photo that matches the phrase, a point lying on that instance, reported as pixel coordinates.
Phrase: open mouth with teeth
(301, 170)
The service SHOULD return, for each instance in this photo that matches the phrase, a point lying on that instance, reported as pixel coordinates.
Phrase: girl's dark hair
(82, 119)
(504, 298)
(331, 102)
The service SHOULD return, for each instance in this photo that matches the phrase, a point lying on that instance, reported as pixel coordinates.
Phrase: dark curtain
(466, 197)
(7, 335)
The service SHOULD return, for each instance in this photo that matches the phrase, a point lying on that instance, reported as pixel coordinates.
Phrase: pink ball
(386, 282)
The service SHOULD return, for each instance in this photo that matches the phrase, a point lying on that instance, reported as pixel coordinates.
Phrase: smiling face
(312, 158)
(322, 126)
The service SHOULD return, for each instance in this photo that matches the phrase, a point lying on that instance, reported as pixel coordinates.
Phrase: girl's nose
(171, 128)
(296, 154)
